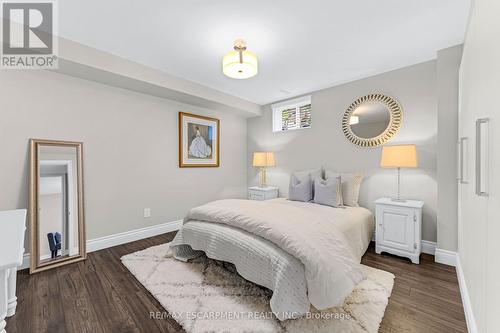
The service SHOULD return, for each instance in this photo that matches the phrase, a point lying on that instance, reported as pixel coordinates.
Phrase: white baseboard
(469, 315)
(26, 262)
(121, 238)
(428, 247)
(446, 257)
(131, 236)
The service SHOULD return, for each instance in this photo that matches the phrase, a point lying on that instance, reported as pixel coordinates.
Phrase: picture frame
(199, 141)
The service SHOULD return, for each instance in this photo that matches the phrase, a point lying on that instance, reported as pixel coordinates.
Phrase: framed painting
(199, 138)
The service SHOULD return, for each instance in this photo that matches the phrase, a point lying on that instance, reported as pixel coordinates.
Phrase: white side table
(262, 193)
(13, 224)
(399, 228)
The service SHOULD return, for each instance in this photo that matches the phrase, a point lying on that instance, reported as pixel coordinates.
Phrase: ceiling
(302, 46)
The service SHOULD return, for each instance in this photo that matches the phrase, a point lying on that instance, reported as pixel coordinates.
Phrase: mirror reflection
(58, 231)
(370, 120)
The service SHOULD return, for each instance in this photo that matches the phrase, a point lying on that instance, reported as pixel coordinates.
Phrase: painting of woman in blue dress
(200, 141)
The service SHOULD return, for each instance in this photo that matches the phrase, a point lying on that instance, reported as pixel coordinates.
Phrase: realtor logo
(28, 30)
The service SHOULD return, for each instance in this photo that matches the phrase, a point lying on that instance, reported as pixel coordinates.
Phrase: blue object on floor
(54, 243)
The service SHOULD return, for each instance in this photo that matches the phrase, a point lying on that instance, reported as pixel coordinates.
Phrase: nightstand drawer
(257, 196)
(262, 193)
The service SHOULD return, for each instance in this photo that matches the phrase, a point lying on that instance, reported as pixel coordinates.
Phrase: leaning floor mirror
(56, 204)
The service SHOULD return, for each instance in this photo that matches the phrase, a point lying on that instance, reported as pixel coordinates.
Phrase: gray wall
(324, 143)
(130, 149)
(448, 64)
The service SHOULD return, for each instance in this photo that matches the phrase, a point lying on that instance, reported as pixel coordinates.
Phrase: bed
(306, 253)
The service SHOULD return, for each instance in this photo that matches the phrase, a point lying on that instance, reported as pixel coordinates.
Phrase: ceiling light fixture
(240, 63)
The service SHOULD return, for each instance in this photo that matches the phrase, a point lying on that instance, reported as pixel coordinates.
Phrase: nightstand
(399, 228)
(262, 193)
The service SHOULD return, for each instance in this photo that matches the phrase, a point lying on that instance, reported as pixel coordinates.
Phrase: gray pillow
(328, 191)
(318, 173)
(313, 174)
(300, 187)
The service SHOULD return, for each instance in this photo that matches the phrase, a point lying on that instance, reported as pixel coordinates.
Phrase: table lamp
(263, 160)
(399, 156)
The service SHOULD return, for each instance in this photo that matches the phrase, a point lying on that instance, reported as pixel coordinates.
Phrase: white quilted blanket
(255, 259)
(331, 267)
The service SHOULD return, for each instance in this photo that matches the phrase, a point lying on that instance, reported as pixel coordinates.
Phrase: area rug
(204, 295)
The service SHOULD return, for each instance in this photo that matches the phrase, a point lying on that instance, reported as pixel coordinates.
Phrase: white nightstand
(262, 193)
(399, 228)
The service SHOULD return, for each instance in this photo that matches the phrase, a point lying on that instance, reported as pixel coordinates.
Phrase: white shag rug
(204, 295)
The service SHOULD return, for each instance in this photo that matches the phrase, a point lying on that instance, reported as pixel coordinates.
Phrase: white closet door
(492, 259)
(479, 216)
(473, 216)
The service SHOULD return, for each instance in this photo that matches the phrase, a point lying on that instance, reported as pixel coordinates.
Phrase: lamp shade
(240, 65)
(263, 159)
(399, 156)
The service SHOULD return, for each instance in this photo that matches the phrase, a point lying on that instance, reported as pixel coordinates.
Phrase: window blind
(292, 114)
(288, 119)
(305, 116)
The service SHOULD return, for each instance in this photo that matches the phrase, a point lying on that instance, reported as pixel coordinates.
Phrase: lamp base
(398, 199)
(263, 177)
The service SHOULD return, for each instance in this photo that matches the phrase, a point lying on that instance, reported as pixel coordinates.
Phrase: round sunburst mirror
(372, 120)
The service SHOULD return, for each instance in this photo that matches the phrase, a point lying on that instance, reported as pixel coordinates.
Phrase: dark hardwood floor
(425, 297)
(101, 295)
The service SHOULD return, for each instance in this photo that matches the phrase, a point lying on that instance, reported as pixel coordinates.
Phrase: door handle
(462, 156)
(482, 156)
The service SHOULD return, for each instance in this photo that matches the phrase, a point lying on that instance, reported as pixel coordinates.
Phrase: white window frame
(278, 108)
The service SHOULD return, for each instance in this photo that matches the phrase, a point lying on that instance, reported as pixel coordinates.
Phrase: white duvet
(332, 267)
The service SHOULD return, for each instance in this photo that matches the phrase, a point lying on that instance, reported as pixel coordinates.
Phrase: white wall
(51, 213)
(324, 143)
(479, 217)
(130, 149)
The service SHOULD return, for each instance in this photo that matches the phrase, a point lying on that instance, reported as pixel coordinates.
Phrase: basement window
(292, 114)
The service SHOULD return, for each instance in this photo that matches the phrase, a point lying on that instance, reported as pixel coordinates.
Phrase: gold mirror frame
(396, 116)
(35, 265)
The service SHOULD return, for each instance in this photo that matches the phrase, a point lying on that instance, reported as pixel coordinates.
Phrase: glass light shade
(232, 67)
(263, 159)
(399, 156)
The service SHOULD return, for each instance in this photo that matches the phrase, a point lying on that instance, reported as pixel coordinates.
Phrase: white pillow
(351, 183)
